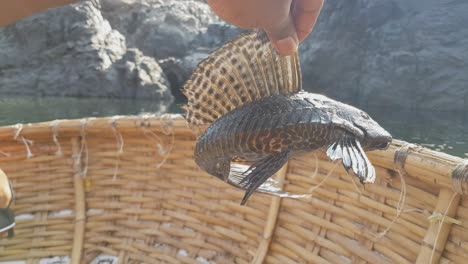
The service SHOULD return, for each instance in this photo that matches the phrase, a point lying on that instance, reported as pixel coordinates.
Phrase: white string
(313, 188)
(26, 142)
(120, 145)
(54, 125)
(399, 208)
(440, 226)
(167, 124)
(117, 134)
(316, 167)
(167, 129)
(353, 180)
(308, 195)
(5, 154)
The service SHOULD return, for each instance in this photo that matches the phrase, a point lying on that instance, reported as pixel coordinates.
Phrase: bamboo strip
(80, 216)
(441, 165)
(95, 125)
(434, 242)
(176, 213)
(360, 250)
(424, 164)
(272, 219)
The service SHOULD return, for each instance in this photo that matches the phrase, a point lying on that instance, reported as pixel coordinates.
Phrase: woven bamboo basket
(127, 189)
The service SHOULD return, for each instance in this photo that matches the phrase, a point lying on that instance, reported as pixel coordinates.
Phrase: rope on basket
(54, 125)
(26, 142)
(440, 239)
(166, 127)
(460, 178)
(399, 160)
(4, 153)
(402, 153)
(120, 144)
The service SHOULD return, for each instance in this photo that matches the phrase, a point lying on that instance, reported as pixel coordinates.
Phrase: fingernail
(286, 46)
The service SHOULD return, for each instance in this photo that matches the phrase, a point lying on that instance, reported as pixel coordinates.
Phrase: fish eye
(364, 115)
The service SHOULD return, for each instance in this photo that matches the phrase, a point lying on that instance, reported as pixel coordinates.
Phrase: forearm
(13, 10)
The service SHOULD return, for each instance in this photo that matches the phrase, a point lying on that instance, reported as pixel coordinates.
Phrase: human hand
(286, 22)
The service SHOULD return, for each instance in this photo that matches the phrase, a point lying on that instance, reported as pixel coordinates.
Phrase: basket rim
(428, 165)
(447, 172)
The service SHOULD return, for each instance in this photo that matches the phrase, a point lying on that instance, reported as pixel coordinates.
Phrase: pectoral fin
(351, 154)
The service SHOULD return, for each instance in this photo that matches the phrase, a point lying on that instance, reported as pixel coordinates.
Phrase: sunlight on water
(25, 109)
(441, 131)
(446, 132)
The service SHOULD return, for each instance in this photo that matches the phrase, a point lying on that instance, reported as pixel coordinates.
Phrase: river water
(442, 131)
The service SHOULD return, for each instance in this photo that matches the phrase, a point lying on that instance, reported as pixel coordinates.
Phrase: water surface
(442, 131)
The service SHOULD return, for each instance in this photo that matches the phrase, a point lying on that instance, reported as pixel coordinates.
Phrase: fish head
(361, 133)
(370, 134)
(367, 131)
(375, 136)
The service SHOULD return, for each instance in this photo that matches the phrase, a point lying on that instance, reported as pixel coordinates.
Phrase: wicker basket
(128, 188)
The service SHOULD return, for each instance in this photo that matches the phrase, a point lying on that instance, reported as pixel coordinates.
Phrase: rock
(177, 73)
(73, 51)
(178, 33)
(409, 54)
(141, 77)
(392, 53)
(395, 53)
(216, 34)
(179, 70)
(159, 29)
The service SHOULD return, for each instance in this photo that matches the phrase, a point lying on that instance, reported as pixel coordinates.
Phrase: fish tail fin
(243, 70)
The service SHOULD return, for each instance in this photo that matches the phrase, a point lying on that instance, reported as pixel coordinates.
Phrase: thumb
(284, 37)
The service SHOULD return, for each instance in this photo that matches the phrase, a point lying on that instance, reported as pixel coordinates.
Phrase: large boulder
(385, 53)
(409, 54)
(74, 51)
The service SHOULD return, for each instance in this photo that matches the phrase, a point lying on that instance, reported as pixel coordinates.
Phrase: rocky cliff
(410, 54)
(406, 54)
(74, 51)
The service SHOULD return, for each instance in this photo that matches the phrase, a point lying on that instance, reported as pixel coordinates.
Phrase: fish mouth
(374, 141)
(383, 145)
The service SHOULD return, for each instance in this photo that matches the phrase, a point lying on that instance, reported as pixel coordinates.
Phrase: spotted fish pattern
(256, 112)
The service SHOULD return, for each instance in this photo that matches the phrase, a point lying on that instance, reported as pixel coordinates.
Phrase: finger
(238, 13)
(284, 37)
(305, 15)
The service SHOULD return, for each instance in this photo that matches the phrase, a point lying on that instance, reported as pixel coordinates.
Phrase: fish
(257, 117)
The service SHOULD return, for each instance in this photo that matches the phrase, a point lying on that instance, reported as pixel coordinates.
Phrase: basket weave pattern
(128, 187)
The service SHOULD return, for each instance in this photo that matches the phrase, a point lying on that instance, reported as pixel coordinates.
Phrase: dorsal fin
(243, 70)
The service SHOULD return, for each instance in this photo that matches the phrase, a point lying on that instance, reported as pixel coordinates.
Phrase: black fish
(258, 114)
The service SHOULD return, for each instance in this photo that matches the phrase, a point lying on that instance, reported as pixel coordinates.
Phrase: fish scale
(252, 100)
(257, 116)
